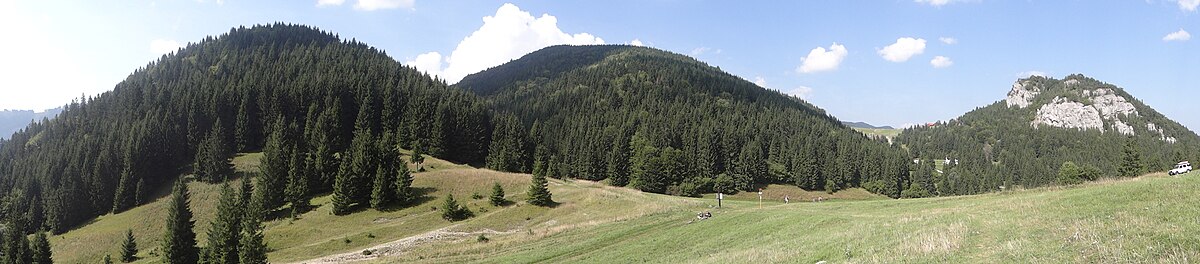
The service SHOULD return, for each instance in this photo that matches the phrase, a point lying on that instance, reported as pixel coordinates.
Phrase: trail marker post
(720, 196)
(759, 197)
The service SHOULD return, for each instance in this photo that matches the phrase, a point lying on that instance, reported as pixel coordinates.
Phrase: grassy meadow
(1153, 218)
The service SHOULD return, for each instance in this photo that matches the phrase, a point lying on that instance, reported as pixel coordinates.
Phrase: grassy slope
(889, 133)
(1150, 219)
(1139, 220)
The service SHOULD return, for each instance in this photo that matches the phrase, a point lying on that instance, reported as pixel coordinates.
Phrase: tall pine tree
(253, 249)
(212, 159)
(224, 230)
(275, 166)
(129, 247)
(40, 249)
(538, 193)
(179, 242)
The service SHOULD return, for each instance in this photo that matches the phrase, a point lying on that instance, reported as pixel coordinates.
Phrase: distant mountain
(12, 121)
(864, 125)
(1045, 122)
(664, 122)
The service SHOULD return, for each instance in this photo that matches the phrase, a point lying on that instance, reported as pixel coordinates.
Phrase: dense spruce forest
(996, 146)
(325, 104)
(331, 116)
(666, 123)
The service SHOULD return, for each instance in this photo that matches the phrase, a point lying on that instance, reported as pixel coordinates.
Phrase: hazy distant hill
(12, 121)
(864, 125)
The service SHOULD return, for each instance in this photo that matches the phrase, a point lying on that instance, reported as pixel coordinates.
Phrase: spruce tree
(453, 211)
(224, 230)
(40, 249)
(179, 242)
(129, 247)
(123, 199)
(418, 156)
(253, 249)
(539, 194)
(497, 197)
(212, 159)
(108, 259)
(16, 248)
(1131, 162)
(404, 192)
(342, 193)
(297, 185)
(383, 189)
(274, 166)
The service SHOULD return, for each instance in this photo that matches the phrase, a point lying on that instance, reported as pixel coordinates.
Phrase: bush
(453, 211)
(915, 190)
(482, 238)
(476, 196)
(1069, 174)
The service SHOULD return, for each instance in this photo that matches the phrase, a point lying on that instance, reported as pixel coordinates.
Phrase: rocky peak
(1079, 103)
(1022, 94)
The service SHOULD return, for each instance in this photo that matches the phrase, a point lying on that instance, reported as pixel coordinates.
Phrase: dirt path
(400, 246)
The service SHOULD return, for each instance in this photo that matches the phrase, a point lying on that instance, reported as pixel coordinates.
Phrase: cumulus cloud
(505, 36)
(941, 62)
(330, 2)
(429, 62)
(164, 46)
(820, 59)
(804, 92)
(1181, 35)
(760, 81)
(948, 40)
(637, 42)
(1027, 74)
(1188, 5)
(372, 5)
(903, 49)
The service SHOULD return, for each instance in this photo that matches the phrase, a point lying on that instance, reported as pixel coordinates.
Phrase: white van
(1181, 168)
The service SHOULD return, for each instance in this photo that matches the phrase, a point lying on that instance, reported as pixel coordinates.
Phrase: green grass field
(889, 133)
(1149, 219)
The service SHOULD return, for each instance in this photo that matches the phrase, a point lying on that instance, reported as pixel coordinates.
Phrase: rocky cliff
(1081, 103)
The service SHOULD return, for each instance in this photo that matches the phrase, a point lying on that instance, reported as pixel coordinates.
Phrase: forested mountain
(663, 122)
(320, 99)
(12, 121)
(1043, 124)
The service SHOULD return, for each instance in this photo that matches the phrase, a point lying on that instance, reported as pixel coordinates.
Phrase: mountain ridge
(1043, 123)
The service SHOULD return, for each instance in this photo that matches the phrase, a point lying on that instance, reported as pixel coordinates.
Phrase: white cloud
(429, 62)
(637, 42)
(804, 92)
(164, 46)
(700, 50)
(940, 3)
(1027, 74)
(1188, 5)
(372, 5)
(1181, 35)
(505, 36)
(330, 2)
(941, 62)
(760, 81)
(903, 49)
(948, 40)
(821, 59)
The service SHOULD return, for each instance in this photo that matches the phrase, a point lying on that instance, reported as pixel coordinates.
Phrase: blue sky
(837, 54)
